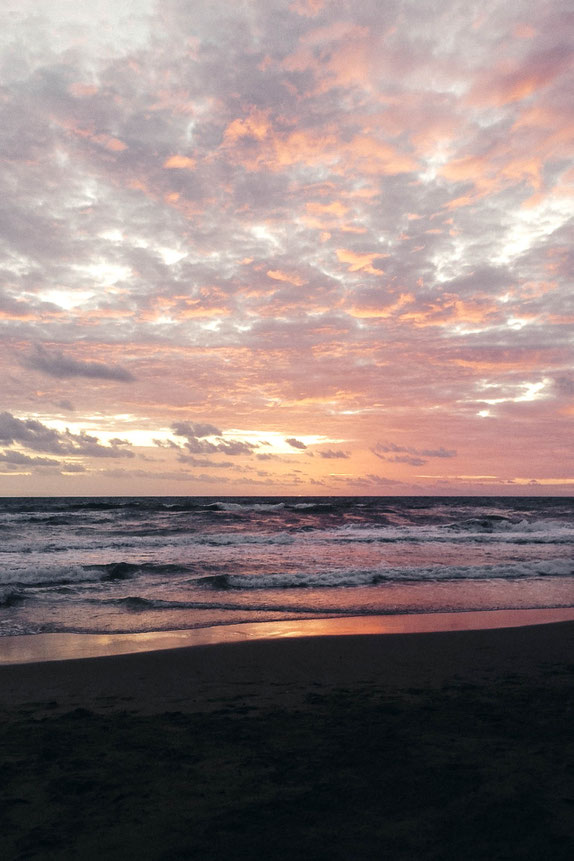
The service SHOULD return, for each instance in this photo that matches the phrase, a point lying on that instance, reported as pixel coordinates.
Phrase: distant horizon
(286, 247)
(297, 496)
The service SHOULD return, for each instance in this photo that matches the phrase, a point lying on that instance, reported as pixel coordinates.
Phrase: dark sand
(455, 745)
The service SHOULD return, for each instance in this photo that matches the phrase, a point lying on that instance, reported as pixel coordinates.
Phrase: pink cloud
(511, 81)
(358, 216)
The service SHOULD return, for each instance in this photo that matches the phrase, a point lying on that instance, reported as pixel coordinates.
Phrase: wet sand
(405, 746)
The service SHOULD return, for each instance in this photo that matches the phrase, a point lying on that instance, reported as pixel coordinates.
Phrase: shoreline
(280, 672)
(451, 744)
(43, 648)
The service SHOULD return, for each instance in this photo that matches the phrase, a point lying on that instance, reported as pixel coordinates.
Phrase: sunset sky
(286, 247)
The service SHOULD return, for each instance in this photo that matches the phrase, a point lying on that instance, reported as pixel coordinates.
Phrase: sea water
(119, 565)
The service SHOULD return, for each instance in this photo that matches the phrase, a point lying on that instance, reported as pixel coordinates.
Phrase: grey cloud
(200, 446)
(91, 447)
(204, 462)
(194, 434)
(73, 467)
(228, 447)
(295, 443)
(197, 429)
(19, 458)
(408, 454)
(166, 475)
(438, 452)
(55, 364)
(331, 453)
(35, 435)
(30, 433)
(404, 458)
(233, 447)
(166, 443)
(369, 480)
(15, 459)
(564, 383)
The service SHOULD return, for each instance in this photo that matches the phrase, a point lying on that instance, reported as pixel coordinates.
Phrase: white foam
(338, 578)
(257, 506)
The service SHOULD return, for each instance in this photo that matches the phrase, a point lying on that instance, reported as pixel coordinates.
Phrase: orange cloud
(524, 31)
(352, 63)
(449, 308)
(503, 167)
(255, 125)
(335, 208)
(278, 275)
(363, 310)
(180, 162)
(360, 262)
(375, 157)
(253, 142)
(80, 90)
(328, 216)
(302, 146)
(341, 54)
(511, 83)
(107, 141)
(308, 8)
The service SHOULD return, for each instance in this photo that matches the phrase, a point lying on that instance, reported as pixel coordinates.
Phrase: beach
(451, 745)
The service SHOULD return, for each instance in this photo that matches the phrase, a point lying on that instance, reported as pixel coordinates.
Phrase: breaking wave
(334, 579)
(198, 561)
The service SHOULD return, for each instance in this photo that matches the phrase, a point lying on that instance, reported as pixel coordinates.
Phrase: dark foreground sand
(454, 745)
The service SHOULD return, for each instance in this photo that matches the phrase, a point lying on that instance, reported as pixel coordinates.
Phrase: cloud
(404, 458)
(369, 481)
(180, 161)
(30, 433)
(331, 453)
(393, 453)
(55, 364)
(21, 459)
(203, 462)
(165, 475)
(278, 275)
(360, 262)
(33, 434)
(194, 434)
(290, 214)
(197, 429)
(438, 452)
(295, 443)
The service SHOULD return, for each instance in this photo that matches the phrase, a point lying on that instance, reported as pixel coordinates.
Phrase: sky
(286, 247)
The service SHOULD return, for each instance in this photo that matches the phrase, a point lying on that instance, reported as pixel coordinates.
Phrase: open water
(113, 565)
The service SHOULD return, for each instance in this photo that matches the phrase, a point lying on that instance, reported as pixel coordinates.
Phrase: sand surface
(33, 648)
(409, 746)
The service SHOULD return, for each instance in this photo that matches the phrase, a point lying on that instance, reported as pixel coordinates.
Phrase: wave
(238, 507)
(71, 575)
(344, 578)
(243, 614)
(11, 597)
(497, 523)
(137, 604)
(61, 576)
(120, 571)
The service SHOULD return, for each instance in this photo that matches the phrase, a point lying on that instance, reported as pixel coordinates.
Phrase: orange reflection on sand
(58, 647)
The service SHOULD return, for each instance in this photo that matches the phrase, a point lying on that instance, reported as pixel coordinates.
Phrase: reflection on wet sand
(54, 647)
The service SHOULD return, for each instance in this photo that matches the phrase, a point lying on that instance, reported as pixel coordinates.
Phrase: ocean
(120, 565)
